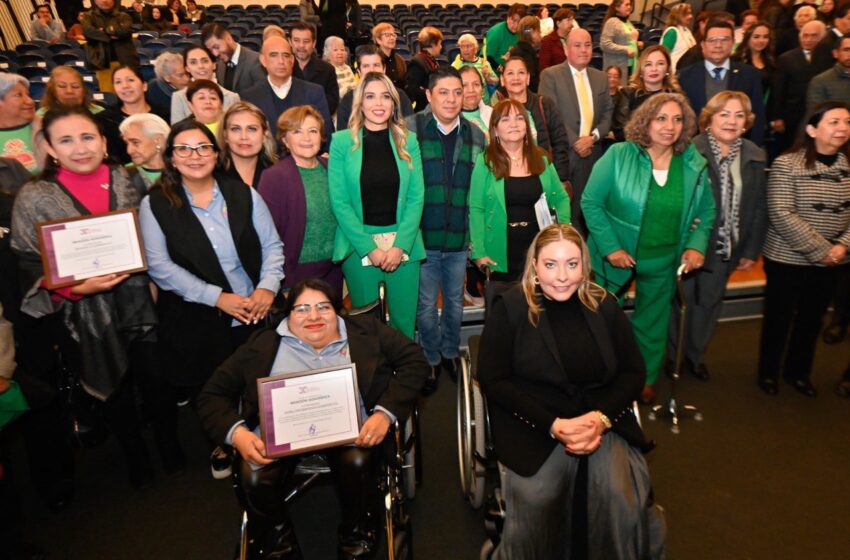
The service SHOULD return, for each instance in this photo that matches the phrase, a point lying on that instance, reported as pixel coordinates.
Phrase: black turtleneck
(578, 350)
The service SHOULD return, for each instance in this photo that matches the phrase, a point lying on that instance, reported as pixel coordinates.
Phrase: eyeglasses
(718, 40)
(185, 151)
(389, 34)
(323, 307)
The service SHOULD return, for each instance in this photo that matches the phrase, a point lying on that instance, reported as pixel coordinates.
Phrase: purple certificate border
(265, 386)
(268, 417)
(50, 253)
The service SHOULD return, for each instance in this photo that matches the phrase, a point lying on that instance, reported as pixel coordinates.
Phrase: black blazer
(521, 374)
(822, 58)
(742, 77)
(753, 212)
(300, 93)
(391, 370)
(788, 98)
(321, 73)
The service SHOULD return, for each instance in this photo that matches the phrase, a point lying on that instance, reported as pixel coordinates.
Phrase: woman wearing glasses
(390, 372)
(215, 254)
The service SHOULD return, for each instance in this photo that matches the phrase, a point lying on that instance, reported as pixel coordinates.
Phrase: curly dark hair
(637, 129)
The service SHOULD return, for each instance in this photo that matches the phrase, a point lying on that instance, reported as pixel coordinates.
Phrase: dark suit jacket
(391, 370)
(247, 73)
(322, 74)
(788, 96)
(822, 58)
(742, 77)
(343, 112)
(527, 388)
(556, 83)
(752, 216)
(301, 93)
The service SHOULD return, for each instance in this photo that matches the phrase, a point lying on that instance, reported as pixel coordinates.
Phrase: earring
(55, 161)
(158, 148)
(535, 280)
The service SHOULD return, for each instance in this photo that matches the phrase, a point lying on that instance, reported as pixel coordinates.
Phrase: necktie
(585, 105)
(718, 74)
(229, 69)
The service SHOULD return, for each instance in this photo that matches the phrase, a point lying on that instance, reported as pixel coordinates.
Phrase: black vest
(188, 244)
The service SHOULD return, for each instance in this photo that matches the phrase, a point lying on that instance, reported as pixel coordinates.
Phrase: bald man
(280, 90)
(585, 125)
(796, 70)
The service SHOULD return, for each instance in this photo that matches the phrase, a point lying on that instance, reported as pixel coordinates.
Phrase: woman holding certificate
(377, 195)
(104, 326)
(510, 179)
(390, 372)
(214, 252)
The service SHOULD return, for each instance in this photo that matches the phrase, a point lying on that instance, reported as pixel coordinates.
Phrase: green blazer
(344, 168)
(488, 216)
(615, 199)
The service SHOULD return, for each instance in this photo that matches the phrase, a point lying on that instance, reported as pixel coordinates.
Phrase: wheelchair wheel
(411, 455)
(471, 426)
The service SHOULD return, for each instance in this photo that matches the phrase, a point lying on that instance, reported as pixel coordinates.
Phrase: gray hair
(467, 37)
(326, 48)
(166, 63)
(9, 81)
(151, 125)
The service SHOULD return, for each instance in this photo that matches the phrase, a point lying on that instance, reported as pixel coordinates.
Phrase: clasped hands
(248, 310)
(388, 260)
(691, 258)
(252, 449)
(835, 256)
(583, 145)
(581, 435)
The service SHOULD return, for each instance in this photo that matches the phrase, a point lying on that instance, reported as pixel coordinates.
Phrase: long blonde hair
(398, 130)
(590, 293)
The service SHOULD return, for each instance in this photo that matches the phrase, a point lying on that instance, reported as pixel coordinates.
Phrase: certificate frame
(345, 424)
(49, 241)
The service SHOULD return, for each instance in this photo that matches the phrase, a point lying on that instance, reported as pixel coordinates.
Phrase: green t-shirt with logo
(16, 143)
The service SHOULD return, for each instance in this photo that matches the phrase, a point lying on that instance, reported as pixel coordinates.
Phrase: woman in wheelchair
(390, 372)
(560, 369)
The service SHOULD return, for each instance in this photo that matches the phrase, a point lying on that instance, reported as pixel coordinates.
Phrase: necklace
(514, 158)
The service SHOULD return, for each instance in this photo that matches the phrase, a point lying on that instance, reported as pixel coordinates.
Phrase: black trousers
(796, 298)
(262, 492)
(842, 295)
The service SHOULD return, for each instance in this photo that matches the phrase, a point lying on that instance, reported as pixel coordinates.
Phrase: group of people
(278, 181)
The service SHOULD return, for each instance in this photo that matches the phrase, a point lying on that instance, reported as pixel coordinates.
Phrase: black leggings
(262, 492)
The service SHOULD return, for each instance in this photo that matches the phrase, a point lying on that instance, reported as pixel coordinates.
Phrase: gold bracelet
(604, 419)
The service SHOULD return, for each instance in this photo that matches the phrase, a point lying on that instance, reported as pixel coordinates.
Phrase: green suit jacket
(615, 199)
(488, 215)
(344, 167)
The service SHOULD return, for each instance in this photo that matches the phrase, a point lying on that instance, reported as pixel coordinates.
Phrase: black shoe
(769, 386)
(27, 551)
(433, 380)
(804, 386)
(700, 372)
(451, 366)
(221, 463)
(360, 545)
(835, 332)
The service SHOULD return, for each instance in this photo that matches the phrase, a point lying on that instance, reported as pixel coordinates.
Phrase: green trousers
(402, 289)
(655, 286)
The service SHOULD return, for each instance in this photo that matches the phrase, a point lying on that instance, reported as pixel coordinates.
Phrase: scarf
(429, 60)
(730, 204)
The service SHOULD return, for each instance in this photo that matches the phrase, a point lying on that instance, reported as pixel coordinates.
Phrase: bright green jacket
(344, 168)
(615, 199)
(488, 215)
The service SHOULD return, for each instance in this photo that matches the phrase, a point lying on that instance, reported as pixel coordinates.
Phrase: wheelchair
(481, 474)
(400, 470)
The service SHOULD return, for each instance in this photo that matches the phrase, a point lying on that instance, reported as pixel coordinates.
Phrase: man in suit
(240, 67)
(369, 59)
(310, 67)
(280, 90)
(822, 57)
(795, 71)
(717, 73)
(581, 94)
(835, 82)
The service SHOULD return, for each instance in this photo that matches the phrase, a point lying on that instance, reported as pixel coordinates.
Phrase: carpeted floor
(759, 478)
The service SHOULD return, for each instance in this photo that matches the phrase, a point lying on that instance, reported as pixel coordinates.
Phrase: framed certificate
(75, 249)
(309, 410)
